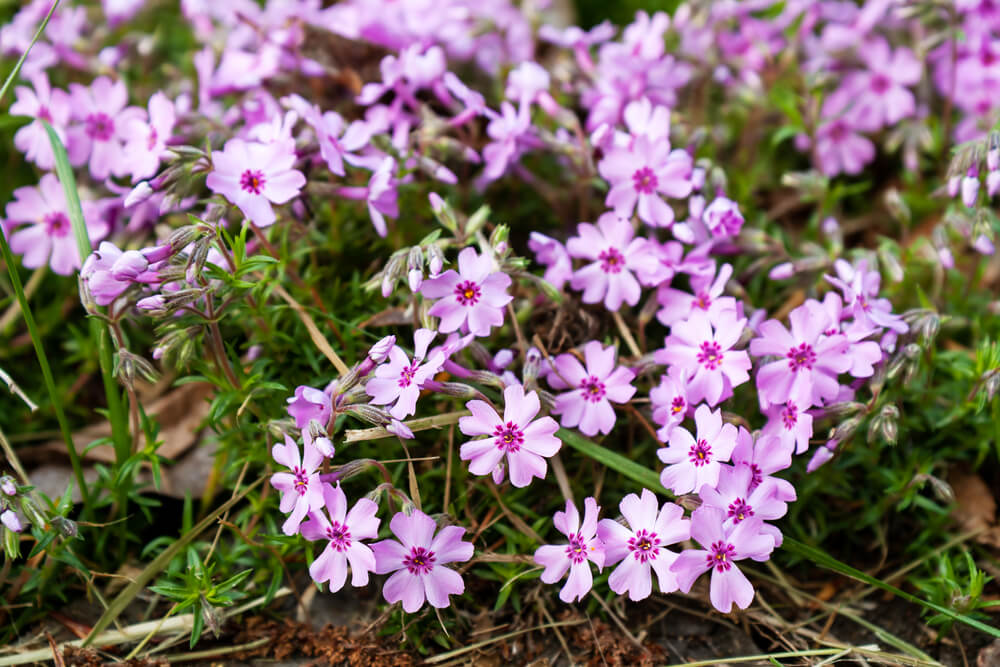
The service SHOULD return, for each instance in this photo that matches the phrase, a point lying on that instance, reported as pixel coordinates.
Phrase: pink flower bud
(380, 350)
(8, 486)
(437, 204)
(387, 282)
(954, 185)
(399, 428)
(129, 265)
(992, 183)
(820, 457)
(993, 159)
(782, 271)
(830, 226)
(139, 194)
(415, 278)
(970, 187)
(10, 520)
(945, 257)
(983, 245)
(697, 178)
(157, 253)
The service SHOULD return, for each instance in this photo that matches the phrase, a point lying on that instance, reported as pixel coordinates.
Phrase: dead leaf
(179, 414)
(975, 507)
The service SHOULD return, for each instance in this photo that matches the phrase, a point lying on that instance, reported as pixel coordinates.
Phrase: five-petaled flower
(695, 461)
(398, 380)
(253, 176)
(518, 436)
(300, 489)
(343, 531)
(472, 298)
(592, 389)
(418, 560)
(614, 254)
(641, 546)
(583, 546)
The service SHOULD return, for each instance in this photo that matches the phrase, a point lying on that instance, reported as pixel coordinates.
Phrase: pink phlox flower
(865, 354)
(108, 271)
(765, 456)
(524, 441)
(723, 218)
(473, 298)
(693, 462)
(418, 561)
(578, 39)
(677, 305)
(343, 531)
(146, 142)
(253, 176)
(670, 403)
(791, 425)
(640, 174)
(643, 118)
(881, 92)
(644, 37)
(41, 102)
(860, 288)
(583, 548)
(398, 380)
(722, 546)
(640, 547)
(308, 404)
(592, 389)
(46, 236)
(614, 254)
(338, 141)
(380, 195)
(529, 83)
(279, 127)
(739, 502)
(102, 120)
(554, 256)
(413, 70)
(301, 489)
(809, 360)
(510, 132)
(702, 345)
(473, 100)
(839, 145)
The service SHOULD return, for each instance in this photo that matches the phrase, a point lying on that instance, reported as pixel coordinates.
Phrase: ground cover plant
(520, 339)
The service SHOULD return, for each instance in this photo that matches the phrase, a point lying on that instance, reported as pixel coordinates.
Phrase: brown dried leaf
(975, 507)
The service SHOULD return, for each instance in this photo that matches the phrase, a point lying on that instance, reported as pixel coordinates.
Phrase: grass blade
(43, 362)
(117, 606)
(20, 61)
(634, 471)
(116, 412)
(827, 561)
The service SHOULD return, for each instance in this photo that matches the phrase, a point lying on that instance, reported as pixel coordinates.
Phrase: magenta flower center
(710, 355)
(801, 357)
(252, 181)
(577, 548)
(611, 261)
(838, 131)
(419, 561)
(756, 477)
(739, 510)
(152, 139)
(880, 83)
(56, 223)
(44, 114)
(508, 437)
(644, 545)
(644, 180)
(790, 415)
(99, 126)
(301, 480)
(406, 375)
(702, 301)
(678, 405)
(339, 536)
(592, 389)
(700, 453)
(468, 293)
(729, 223)
(720, 556)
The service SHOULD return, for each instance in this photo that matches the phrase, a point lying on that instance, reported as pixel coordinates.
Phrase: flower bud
(182, 237)
(9, 519)
(897, 207)
(415, 278)
(66, 527)
(820, 457)
(129, 265)
(782, 271)
(400, 429)
(7, 485)
(435, 260)
(369, 413)
(970, 187)
(139, 194)
(477, 220)
(954, 185)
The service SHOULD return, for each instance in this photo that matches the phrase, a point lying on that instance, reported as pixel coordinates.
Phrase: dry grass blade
(422, 424)
(314, 333)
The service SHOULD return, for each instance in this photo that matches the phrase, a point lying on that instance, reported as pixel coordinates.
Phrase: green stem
(43, 361)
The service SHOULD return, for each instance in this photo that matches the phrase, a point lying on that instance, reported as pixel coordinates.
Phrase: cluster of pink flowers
(665, 225)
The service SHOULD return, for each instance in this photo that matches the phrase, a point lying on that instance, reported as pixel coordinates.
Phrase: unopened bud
(897, 207)
(369, 413)
(182, 237)
(435, 260)
(992, 383)
(500, 235)
(9, 519)
(7, 485)
(782, 271)
(400, 429)
(66, 527)
(380, 350)
(477, 220)
(139, 194)
(846, 428)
